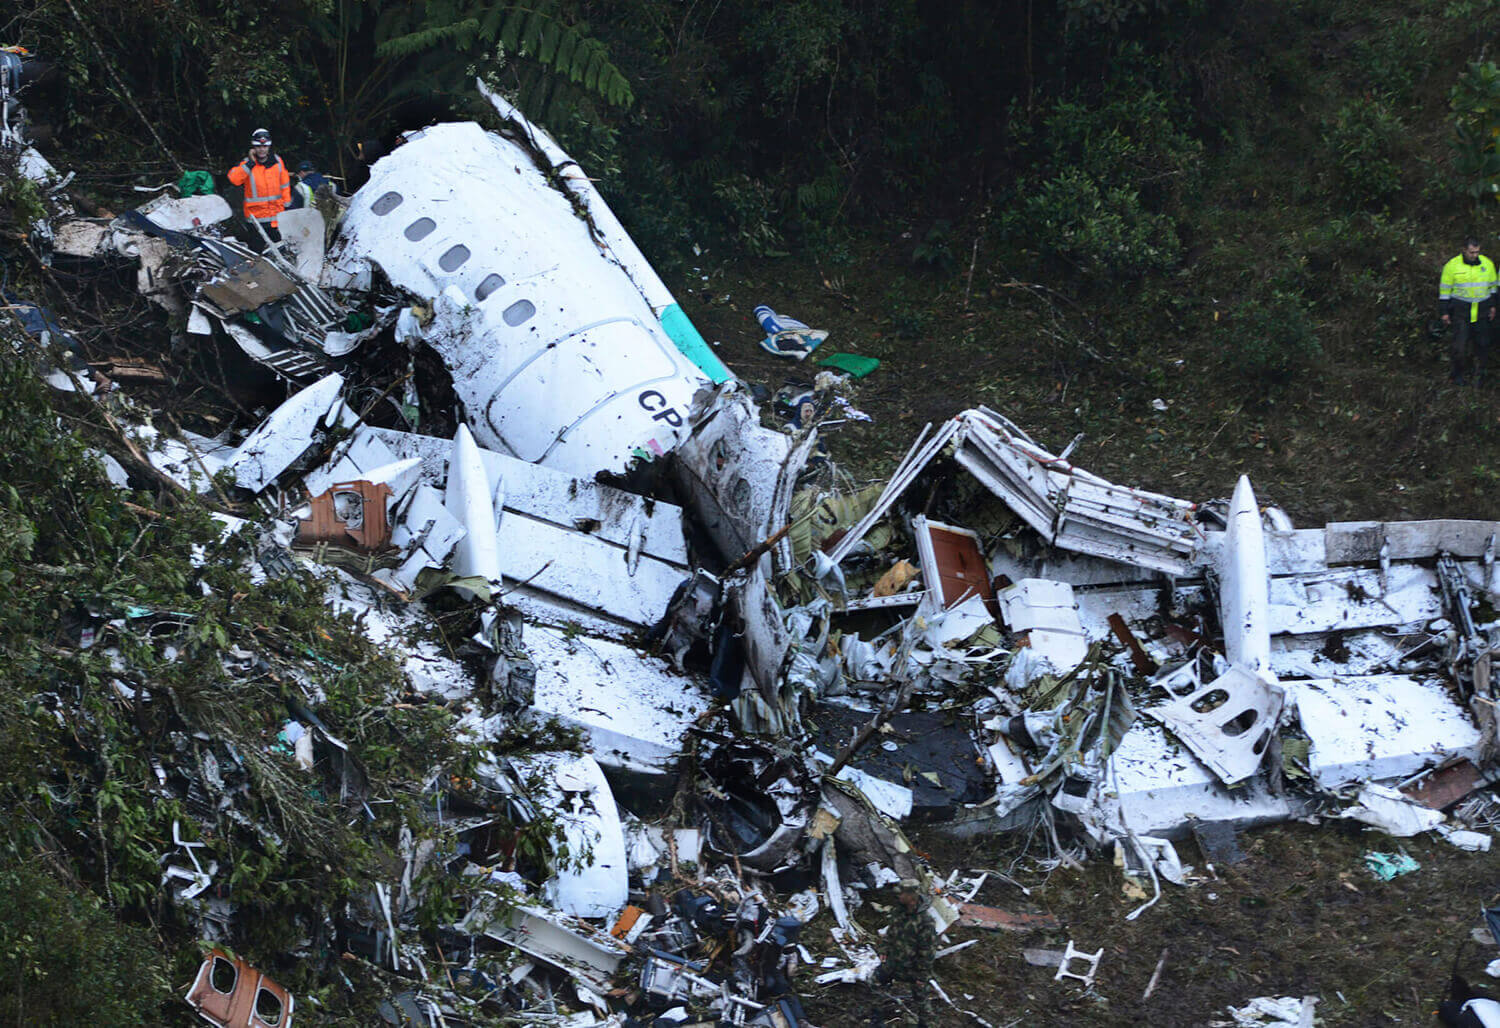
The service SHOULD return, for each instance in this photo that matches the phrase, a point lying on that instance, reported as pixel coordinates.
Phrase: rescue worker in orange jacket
(267, 185)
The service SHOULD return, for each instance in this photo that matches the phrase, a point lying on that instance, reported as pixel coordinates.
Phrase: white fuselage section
(555, 353)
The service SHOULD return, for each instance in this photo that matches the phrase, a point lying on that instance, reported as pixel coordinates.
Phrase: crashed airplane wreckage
(991, 639)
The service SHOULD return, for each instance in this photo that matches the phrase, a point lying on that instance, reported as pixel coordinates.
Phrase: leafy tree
(1475, 102)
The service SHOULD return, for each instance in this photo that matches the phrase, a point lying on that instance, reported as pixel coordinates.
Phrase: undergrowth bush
(1269, 339)
(1105, 180)
(1395, 57)
(753, 211)
(1104, 231)
(1475, 101)
(187, 662)
(1363, 138)
(67, 961)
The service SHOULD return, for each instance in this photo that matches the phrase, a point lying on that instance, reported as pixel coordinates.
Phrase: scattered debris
(229, 993)
(1288, 1011)
(1387, 866)
(703, 679)
(1064, 966)
(1219, 843)
(787, 337)
(972, 915)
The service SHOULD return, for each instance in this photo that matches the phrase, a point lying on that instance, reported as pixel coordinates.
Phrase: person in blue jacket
(306, 185)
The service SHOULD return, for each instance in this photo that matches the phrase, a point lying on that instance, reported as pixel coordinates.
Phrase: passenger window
(518, 312)
(420, 229)
(454, 258)
(222, 976)
(268, 1007)
(488, 286)
(386, 204)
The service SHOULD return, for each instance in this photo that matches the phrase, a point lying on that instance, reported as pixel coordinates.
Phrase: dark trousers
(1471, 344)
(253, 238)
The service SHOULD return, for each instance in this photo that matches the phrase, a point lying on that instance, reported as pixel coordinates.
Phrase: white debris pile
(744, 673)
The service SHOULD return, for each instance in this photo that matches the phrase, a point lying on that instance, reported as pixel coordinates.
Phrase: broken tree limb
(457, 1000)
(871, 727)
(898, 704)
(198, 460)
(141, 372)
(144, 466)
(757, 551)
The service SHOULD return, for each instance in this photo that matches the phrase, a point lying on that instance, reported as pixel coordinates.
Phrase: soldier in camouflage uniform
(908, 948)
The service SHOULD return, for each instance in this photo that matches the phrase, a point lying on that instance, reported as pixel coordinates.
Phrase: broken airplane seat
(229, 993)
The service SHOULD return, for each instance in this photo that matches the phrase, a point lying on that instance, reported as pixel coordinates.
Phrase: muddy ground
(1375, 433)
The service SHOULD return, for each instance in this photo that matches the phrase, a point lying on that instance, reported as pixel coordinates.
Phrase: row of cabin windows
(453, 258)
(224, 977)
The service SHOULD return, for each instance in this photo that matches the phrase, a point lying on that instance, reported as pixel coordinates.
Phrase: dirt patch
(1301, 915)
(1373, 434)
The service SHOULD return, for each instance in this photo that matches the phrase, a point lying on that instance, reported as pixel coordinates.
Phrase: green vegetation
(1476, 129)
(138, 652)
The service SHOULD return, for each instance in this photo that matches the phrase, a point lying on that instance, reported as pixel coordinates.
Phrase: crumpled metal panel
(1072, 508)
(1227, 722)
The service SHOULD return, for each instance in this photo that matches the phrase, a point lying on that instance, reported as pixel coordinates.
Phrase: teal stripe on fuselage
(674, 321)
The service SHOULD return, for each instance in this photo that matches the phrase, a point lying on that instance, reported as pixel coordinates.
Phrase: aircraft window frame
(455, 257)
(424, 227)
(381, 207)
(518, 313)
(263, 1014)
(487, 286)
(214, 972)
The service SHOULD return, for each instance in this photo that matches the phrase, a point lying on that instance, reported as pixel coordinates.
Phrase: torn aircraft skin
(745, 683)
(554, 351)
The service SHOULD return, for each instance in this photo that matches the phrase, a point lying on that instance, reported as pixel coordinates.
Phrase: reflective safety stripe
(1469, 292)
(1471, 284)
(251, 196)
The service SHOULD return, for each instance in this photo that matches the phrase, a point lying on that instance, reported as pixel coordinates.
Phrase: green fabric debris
(430, 580)
(1294, 756)
(851, 364)
(816, 515)
(358, 321)
(1386, 866)
(195, 183)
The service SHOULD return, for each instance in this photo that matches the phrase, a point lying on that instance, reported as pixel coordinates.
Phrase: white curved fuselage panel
(555, 354)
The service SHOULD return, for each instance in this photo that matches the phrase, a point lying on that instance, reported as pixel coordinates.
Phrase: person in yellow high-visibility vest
(1466, 301)
(267, 185)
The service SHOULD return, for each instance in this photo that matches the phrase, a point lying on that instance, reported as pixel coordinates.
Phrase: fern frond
(425, 38)
(567, 45)
(515, 21)
(535, 30)
(532, 38)
(491, 21)
(546, 51)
